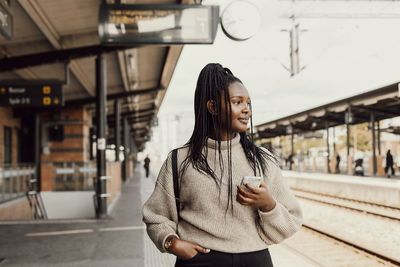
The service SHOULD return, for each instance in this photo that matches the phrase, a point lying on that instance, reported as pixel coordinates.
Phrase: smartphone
(254, 181)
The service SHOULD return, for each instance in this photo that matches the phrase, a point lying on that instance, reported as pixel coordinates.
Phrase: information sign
(6, 21)
(158, 24)
(37, 93)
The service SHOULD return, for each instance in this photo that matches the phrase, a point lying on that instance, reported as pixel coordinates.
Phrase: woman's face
(240, 104)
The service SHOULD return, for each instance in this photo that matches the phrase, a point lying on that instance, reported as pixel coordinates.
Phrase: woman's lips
(244, 120)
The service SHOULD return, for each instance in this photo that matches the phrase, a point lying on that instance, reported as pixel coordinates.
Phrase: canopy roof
(48, 34)
(383, 102)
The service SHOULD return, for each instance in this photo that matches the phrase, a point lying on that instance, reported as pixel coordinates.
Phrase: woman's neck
(225, 136)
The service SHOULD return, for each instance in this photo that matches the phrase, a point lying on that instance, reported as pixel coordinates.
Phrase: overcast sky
(343, 57)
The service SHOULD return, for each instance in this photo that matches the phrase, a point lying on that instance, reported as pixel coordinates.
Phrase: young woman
(221, 223)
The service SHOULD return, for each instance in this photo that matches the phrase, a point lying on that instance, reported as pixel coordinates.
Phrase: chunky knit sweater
(204, 217)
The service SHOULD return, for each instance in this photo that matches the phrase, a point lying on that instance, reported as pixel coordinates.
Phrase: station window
(7, 144)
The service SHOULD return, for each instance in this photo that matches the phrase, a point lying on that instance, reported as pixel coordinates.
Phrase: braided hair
(213, 85)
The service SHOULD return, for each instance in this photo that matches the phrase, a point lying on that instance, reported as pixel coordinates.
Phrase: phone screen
(254, 181)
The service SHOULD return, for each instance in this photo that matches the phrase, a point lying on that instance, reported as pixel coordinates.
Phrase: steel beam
(128, 113)
(56, 56)
(35, 12)
(90, 100)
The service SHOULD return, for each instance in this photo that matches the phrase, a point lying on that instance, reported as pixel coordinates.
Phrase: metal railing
(14, 180)
(71, 176)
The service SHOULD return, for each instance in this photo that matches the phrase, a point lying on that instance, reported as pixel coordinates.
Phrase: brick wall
(7, 119)
(74, 147)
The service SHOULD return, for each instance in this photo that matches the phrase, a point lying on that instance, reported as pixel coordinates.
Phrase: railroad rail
(356, 205)
(317, 248)
(381, 211)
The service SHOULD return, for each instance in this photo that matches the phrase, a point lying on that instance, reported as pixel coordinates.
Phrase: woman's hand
(185, 250)
(258, 197)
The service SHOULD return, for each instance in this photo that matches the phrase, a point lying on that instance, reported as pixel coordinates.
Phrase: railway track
(365, 207)
(383, 258)
(379, 211)
(316, 248)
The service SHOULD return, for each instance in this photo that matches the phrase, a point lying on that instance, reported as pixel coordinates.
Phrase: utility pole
(300, 9)
(294, 34)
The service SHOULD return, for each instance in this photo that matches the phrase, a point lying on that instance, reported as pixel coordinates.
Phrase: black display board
(34, 93)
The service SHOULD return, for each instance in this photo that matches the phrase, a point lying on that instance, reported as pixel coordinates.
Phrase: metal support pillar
(37, 153)
(126, 150)
(379, 138)
(117, 135)
(347, 120)
(334, 141)
(101, 105)
(291, 150)
(373, 143)
(327, 147)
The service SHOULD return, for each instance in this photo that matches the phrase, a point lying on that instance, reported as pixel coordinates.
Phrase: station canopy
(48, 34)
(383, 102)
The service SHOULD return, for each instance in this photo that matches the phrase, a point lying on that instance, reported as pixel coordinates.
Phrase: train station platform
(376, 190)
(119, 240)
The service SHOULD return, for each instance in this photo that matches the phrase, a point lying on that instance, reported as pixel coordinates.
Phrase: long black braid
(213, 82)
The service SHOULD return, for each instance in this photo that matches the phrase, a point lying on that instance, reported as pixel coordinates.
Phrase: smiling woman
(219, 222)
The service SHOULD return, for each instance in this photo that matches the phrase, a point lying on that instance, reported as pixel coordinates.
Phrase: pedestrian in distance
(337, 167)
(147, 165)
(217, 221)
(389, 164)
(291, 161)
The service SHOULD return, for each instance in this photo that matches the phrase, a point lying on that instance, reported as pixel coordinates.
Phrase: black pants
(260, 258)
(390, 167)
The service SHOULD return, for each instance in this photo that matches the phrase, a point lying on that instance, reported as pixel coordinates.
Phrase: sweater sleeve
(286, 217)
(159, 212)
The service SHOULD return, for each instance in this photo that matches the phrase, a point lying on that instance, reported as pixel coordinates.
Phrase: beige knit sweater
(203, 210)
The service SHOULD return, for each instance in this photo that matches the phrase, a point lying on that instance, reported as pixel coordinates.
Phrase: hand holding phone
(260, 198)
(254, 181)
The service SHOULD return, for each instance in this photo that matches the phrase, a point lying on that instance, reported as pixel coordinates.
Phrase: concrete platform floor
(120, 240)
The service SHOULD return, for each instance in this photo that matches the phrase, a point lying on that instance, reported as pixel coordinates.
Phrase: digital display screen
(158, 24)
(31, 94)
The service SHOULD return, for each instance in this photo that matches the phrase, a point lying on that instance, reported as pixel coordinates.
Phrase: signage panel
(6, 21)
(158, 24)
(36, 93)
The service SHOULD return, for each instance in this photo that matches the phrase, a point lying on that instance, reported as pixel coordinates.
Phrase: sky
(342, 57)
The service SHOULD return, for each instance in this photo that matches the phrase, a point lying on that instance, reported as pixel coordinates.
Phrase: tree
(364, 137)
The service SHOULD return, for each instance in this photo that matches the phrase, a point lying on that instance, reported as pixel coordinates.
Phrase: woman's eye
(236, 102)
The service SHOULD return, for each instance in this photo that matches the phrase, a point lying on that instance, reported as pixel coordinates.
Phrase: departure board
(35, 93)
(121, 24)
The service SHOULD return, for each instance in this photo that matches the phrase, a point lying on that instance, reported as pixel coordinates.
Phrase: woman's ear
(211, 107)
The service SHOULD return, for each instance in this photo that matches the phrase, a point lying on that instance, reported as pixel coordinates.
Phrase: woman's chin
(241, 130)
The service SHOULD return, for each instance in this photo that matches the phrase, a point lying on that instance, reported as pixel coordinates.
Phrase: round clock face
(240, 20)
